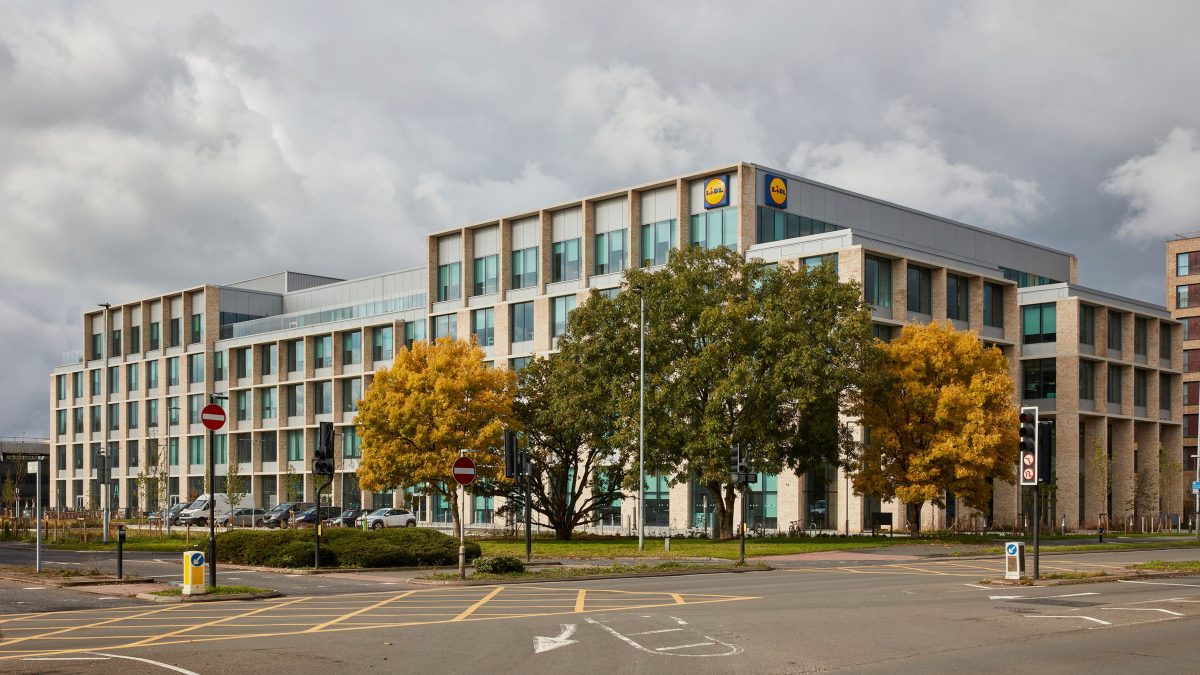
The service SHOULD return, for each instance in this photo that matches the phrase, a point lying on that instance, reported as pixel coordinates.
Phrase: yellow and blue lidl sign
(716, 192)
(776, 187)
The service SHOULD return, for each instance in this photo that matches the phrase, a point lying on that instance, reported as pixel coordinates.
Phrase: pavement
(833, 614)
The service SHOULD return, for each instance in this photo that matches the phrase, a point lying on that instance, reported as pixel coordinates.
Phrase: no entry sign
(464, 471)
(212, 416)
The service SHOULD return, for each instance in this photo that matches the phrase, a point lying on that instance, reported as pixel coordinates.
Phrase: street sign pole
(37, 466)
(463, 472)
(213, 417)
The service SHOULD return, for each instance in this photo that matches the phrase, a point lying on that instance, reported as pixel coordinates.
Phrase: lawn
(214, 590)
(1171, 566)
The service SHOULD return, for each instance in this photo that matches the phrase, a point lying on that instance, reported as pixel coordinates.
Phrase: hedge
(347, 547)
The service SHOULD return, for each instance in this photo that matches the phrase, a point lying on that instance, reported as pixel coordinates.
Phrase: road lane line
(655, 632)
(362, 610)
(1155, 583)
(1049, 616)
(696, 644)
(152, 662)
(1144, 609)
(482, 601)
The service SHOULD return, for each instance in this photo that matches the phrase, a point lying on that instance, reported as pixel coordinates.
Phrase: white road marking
(545, 644)
(983, 588)
(152, 662)
(1048, 616)
(65, 658)
(1005, 597)
(697, 644)
(733, 649)
(34, 588)
(678, 620)
(1155, 583)
(1143, 609)
(1072, 595)
(653, 632)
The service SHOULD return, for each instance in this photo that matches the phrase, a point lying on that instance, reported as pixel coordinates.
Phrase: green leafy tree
(435, 400)
(941, 417)
(736, 352)
(566, 408)
(8, 491)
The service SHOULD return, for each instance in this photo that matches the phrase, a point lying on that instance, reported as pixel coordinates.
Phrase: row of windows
(1039, 324)
(877, 290)
(134, 344)
(775, 225)
(1039, 381)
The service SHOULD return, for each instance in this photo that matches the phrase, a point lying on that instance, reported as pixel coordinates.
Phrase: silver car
(245, 517)
(381, 518)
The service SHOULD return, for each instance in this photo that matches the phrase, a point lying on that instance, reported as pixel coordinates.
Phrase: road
(864, 615)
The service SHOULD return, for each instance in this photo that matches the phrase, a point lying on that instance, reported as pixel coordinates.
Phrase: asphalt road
(863, 616)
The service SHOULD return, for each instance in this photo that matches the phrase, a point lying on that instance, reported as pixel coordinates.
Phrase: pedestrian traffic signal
(1028, 446)
(323, 457)
(510, 454)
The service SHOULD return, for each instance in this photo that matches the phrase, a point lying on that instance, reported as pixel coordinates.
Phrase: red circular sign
(1028, 474)
(212, 416)
(464, 471)
(1028, 459)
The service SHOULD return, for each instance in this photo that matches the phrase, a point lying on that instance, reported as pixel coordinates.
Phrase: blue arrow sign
(197, 559)
(1011, 549)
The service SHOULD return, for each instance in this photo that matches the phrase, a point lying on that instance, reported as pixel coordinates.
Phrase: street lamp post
(105, 493)
(641, 421)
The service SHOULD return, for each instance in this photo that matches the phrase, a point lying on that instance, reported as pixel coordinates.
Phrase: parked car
(347, 518)
(197, 512)
(381, 518)
(310, 517)
(156, 517)
(246, 517)
(281, 515)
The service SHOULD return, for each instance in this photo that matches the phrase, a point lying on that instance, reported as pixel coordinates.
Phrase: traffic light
(510, 454)
(1028, 446)
(323, 457)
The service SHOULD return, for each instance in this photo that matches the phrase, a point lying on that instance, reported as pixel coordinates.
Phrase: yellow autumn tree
(435, 400)
(939, 411)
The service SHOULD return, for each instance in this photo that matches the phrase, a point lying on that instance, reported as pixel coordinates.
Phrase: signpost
(213, 418)
(464, 474)
(37, 467)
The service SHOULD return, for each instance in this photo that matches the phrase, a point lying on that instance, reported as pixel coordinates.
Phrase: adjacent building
(292, 350)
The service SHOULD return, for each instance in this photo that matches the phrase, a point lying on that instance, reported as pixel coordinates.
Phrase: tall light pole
(641, 510)
(105, 493)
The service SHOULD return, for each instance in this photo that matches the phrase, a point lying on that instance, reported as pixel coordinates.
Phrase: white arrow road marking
(1047, 616)
(545, 644)
(1143, 609)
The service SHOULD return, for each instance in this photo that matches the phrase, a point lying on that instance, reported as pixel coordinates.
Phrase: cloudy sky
(150, 146)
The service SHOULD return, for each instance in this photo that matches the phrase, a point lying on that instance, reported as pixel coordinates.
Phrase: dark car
(281, 515)
(347, 518)
(310, 517)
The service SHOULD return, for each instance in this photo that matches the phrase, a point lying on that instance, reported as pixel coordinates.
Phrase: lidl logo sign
(716, 192)
(776, 191)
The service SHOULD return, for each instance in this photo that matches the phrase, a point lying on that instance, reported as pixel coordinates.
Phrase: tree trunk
(724, 502)
(913, 513)
(452, 496)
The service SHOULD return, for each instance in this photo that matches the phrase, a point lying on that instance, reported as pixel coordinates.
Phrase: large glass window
(560, 309)
(1140, 331)
(565, 260)
(714, 228)
(155, 335)
(1164, 341)
(268, 443)
(657, 241)
(352, 348)
(522, 321)
(877, 281)
(77, 383)
(449, 282)
(519, 362)
(1191, 393)
(483, 326)
(197, 327)
(195, 403)
(1189, 430)
(993, 305)
(267, 400)
(1187, 295)
(295, 400)
(295, 356)
(95, 376)
(1114, 384)
(135, 339)
(220, 449)
(920, 290)
(195, 450)
(610, 252)
(1165, 391)
(351, 393)
(483, 508)
(241, 401)
(763, 508)
(657, 499)
(323, 351)
(1114, 330)
(957, 297)
(774, 225)
(195, 368)
(1087, 380)
(1182, 266)
(445, 326)
(487, 276)
(1141, 387)
(175, 338)
(524, 268)
(152, 413)
(295, 445)
(173, 371)
(1039, 377)
(115, 342)
(241, 359)
(323, 403)
(114, 379)
(1039, 323)
(351, 442)
(1087, 324)
(702, 505)
(413, 331)
(381, 347)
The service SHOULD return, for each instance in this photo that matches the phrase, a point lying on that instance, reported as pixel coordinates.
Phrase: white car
(381, 518)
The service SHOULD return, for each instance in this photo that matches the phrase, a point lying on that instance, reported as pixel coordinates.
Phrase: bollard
(667, 543)
(1101, 534)
(120, 551)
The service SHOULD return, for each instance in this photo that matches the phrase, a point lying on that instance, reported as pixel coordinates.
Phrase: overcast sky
(146, 147)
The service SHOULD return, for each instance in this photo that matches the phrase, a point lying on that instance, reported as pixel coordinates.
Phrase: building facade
(1183, 300)
(292, 350)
